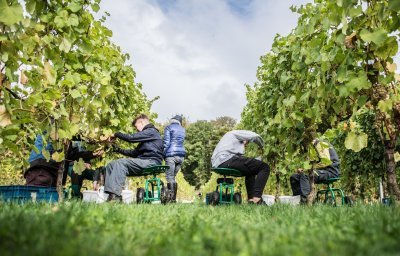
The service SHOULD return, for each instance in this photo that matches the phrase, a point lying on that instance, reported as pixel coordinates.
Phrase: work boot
(114, 197)
(170, 192)
(174, 192)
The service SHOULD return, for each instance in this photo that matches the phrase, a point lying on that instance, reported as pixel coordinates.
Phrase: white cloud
(197, 55)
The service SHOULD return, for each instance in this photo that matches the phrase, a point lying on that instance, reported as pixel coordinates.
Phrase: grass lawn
(75, 228)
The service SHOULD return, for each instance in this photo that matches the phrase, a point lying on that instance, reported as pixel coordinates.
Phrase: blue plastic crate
(28, 194)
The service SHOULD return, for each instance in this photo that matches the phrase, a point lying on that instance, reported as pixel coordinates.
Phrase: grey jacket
(232, 144)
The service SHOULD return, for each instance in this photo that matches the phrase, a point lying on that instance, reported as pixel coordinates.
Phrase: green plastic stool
(227, 185)
(146, 194)
(330, 192)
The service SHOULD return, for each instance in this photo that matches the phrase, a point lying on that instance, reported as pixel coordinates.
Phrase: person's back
(231, 144)
(174, 137)
(174, 152)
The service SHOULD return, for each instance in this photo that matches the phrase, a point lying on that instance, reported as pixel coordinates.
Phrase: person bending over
(229, 154)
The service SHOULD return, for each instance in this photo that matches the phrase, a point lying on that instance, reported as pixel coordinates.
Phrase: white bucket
(127, 196)
(293, 200)
(90, 196)
(268, 199)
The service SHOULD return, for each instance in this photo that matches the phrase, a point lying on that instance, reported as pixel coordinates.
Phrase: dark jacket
(174, 136)
(149, 147)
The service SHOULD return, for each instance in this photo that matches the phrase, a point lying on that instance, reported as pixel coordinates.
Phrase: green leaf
(95, 7)
(10, 15)
(394, 5)
(362, 100)
(79, 166)
(75, 94)
(385, 105)
(73, 20)
(106, 90)
(356, 142)
(65, 45)
(61, 19)
(378, 36)
(75, 6)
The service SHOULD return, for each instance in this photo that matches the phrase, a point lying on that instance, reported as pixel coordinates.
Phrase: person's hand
(96, 185)
(98, 152)
(88, 166)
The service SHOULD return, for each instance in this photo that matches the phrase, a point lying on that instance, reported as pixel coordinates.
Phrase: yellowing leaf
(356, 142)
(46, 154)
(79, 166)
(65, 45)
(5, 118)
(396, 157)
(58, 157)
(391, 67)
(49, 73)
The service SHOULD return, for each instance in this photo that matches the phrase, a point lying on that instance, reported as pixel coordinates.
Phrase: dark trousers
(87, 174)
(256, 173)
(300, 182)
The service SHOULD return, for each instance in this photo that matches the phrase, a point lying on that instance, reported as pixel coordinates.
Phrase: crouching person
(76, 151)
(325, 167)
(42, 172)
(148, 152)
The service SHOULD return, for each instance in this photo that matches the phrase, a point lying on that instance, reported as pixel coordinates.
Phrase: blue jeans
(174, 163)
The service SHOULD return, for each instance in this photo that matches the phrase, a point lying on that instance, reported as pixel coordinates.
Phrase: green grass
(76, 228)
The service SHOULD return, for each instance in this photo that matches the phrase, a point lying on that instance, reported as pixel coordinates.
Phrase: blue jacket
(39, 144)
(174, 136)
(149, 147)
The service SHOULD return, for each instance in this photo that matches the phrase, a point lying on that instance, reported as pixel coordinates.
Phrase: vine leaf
(57, 156)
(396, 157)
(5, 118)
(10, 15)
(356, 142)
(79, 166)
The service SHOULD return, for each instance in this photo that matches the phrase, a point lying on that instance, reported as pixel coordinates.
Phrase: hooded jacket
(150, 144)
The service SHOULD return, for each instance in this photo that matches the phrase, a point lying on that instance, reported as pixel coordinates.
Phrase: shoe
(114, 197)
(260, 202)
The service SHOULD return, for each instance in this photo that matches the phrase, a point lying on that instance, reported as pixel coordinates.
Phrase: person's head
(140, 122)
(177, 118)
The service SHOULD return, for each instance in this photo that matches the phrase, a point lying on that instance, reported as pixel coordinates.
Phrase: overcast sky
(197, 54)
